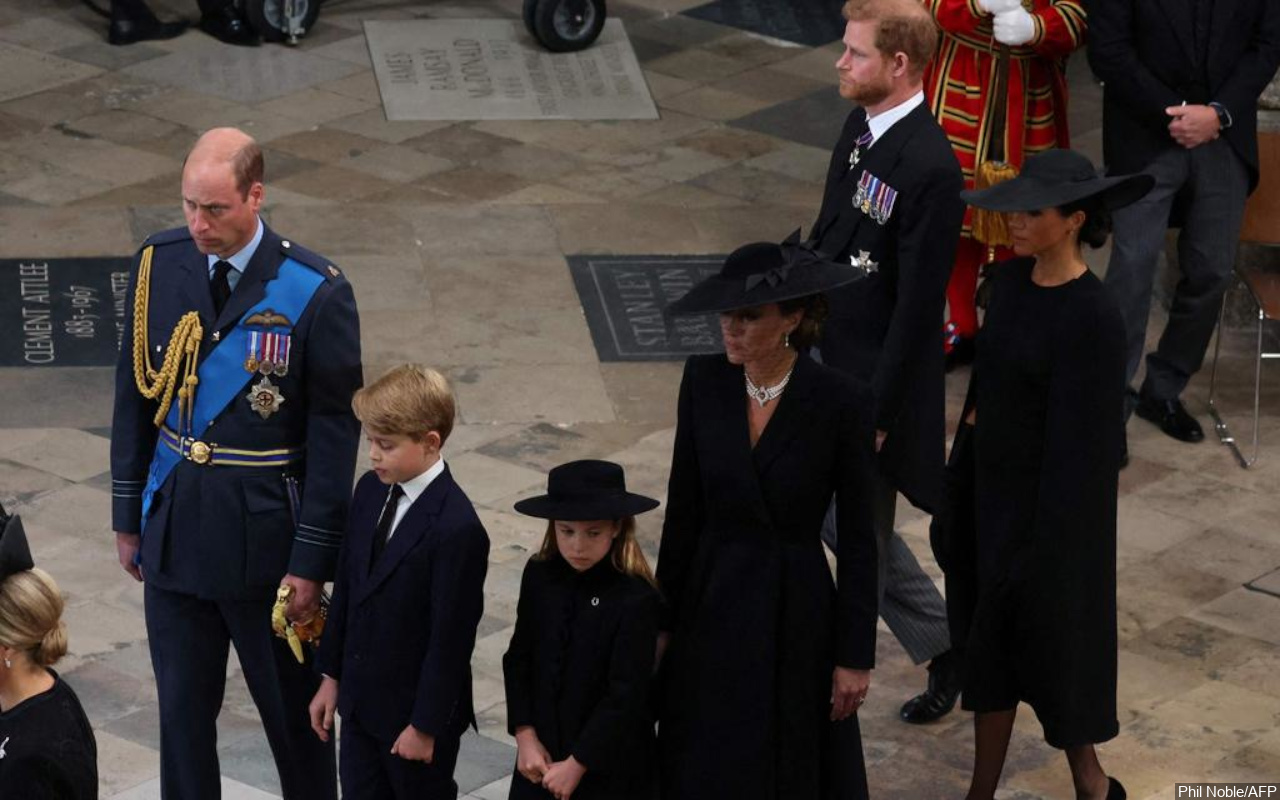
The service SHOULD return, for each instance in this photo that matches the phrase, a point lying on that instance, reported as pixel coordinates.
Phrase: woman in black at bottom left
(47, 749)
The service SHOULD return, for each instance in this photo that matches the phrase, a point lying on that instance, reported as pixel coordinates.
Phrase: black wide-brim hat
(1055, 178)
(15, 553)
(586, 490)
(764, 272)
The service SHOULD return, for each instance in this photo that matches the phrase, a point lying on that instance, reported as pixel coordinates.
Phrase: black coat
(230, 531)
(1031, 576)
(399, 637)
(1144, 52)
(578, 670)
(49, 749)
(756, 623)
(887, 329)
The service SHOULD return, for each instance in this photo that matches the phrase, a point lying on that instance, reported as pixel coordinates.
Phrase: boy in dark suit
(396, 654)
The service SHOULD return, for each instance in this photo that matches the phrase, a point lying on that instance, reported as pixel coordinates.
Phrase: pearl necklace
(763, 394)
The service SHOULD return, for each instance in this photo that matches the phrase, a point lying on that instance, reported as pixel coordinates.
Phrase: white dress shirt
(413, 489)
(880, 124)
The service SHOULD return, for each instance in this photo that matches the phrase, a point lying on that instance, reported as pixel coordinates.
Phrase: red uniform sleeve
(958, 16)
(1060, 28)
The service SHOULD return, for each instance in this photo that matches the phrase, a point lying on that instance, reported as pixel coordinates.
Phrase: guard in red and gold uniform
(958, 84)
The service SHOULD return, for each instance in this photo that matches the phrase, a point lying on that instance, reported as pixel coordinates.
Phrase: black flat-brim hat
(586, 490)
(1055, 178)
(15, 553)
(764, 272)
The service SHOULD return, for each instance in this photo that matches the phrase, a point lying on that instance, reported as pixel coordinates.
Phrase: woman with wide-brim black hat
(768, 658)
(1031, 567)
(579, 667)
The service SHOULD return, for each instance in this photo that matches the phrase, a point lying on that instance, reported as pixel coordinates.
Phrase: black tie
(219, 286)
(385, 522)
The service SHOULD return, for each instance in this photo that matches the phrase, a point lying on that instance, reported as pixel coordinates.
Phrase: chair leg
(1217, 349)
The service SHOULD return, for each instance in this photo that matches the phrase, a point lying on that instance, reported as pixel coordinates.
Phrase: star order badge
(265, 398)
(863, 262)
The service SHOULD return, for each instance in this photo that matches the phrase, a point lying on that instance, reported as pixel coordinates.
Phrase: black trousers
(370, 772)
(190, 639)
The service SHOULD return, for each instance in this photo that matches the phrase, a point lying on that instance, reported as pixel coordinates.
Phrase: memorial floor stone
(62, 312)
(487, 69)
(807, 22)
(242, 75)
(625, 300)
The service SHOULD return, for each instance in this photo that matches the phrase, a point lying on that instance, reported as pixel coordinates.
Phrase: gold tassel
(992, 227)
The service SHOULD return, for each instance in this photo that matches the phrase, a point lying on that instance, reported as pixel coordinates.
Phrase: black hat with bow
(764, 272)
(15, 554)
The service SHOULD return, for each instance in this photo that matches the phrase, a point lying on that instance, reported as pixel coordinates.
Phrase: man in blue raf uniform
(232, 452)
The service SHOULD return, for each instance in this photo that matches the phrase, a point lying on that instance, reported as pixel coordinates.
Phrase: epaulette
(167, 237)
(302, 255)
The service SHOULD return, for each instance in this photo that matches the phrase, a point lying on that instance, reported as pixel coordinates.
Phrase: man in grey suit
(1182, 80)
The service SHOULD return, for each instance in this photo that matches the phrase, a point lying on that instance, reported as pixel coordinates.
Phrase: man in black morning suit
(222, 501)
(892, 206)
(1181, 85)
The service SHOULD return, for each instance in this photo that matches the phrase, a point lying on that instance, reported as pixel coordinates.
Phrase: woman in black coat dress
(768, 658)
(47, 749)
(1031, 589)
(578, 669)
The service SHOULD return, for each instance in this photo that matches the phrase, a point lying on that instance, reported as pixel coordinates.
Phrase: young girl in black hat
(579, 665)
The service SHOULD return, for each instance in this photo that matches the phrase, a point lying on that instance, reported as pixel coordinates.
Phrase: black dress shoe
(936, 701)
(226, 25)
(1115, 790)
(1171, 417)
(961, 353)
(128, 31)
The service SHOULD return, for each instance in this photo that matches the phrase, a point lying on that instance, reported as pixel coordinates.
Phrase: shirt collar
(414, 487)
(880, 124)
(240, 261)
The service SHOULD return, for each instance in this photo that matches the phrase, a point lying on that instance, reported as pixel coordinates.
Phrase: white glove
(1014, 27)
(998, 6)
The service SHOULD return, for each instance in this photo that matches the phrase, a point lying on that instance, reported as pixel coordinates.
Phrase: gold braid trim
(181, 354)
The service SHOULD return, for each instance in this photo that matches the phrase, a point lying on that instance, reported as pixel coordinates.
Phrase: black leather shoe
(1115, 790)
(936, 701)
(228, 26)
(128, 31)
(962, 352)
(1171, 418)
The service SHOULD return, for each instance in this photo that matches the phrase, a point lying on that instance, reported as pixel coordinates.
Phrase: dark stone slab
(107, 56)
(624, 299)
(808, 22)
(815, 119)
(62, 312)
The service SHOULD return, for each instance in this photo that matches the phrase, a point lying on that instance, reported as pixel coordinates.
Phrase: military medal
(265, 398)
(251, 361)
(875, 198)
(863, 262)
(863, 141)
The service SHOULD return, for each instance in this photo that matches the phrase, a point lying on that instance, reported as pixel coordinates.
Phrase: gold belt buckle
(199, 452)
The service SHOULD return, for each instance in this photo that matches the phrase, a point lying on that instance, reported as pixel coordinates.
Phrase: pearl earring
(8, 664)
(786, 339)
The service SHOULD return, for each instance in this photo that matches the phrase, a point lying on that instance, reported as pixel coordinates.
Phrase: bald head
(902, 26)
(228, 148)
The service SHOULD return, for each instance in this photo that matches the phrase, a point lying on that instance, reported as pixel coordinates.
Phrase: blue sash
(222, 374)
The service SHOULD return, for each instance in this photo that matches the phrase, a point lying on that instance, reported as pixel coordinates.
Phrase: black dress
(757, 624)
(47, 749)
(578, 670)
(1049, 387)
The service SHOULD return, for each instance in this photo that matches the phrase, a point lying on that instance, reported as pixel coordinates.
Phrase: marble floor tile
(24, 72)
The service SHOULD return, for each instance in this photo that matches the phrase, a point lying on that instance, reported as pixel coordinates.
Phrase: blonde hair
(408, 400)
(903, 26)
(31, 617)
(625, 553)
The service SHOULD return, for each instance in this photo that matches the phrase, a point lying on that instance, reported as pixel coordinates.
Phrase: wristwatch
(1224, 116)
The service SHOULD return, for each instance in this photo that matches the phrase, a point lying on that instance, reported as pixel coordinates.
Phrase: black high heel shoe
(1115, 790)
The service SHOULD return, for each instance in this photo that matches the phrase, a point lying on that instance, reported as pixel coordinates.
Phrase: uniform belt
(213, 455)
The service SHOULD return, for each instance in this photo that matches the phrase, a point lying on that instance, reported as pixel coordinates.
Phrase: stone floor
(454, 236)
